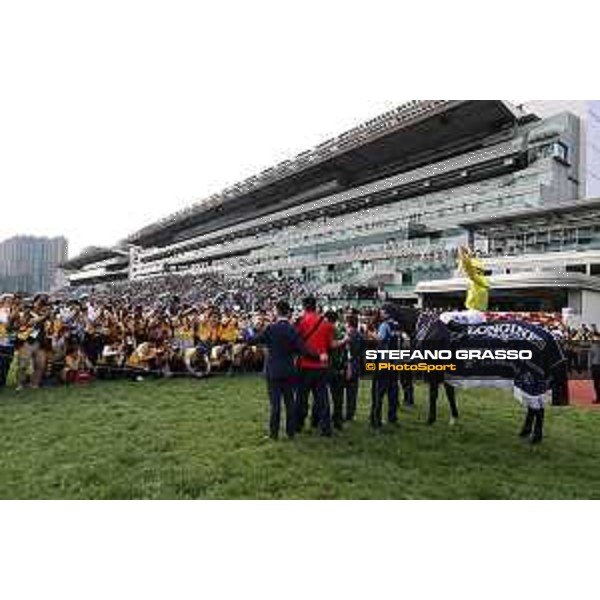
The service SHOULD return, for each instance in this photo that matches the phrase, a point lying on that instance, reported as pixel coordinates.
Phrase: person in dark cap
(283, 344)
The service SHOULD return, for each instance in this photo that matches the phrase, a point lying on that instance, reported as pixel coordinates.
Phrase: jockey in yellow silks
(477, 292)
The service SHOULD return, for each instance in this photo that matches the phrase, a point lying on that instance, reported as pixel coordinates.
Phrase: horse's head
(405, 316)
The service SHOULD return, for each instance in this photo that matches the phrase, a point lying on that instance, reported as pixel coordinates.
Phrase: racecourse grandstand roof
(406, 137)
(90, 255)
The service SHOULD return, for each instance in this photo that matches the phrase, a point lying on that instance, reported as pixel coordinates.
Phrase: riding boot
(528, 423)
(538, 426)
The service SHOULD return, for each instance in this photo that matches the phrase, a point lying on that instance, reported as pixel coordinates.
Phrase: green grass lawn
(205, 439)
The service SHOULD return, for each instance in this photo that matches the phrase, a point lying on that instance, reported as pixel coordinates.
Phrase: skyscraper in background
(30, 264)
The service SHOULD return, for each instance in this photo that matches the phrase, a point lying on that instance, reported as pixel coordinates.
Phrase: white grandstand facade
(382, 209)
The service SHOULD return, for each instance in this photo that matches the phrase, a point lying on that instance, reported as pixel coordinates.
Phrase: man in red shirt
(318, 336)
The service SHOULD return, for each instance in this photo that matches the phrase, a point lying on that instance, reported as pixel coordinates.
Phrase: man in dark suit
(284, 344)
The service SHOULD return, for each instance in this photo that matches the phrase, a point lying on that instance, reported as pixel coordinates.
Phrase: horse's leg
(451, 395)
(406, 381)
(538, 426)
(434, 387)
(528, 423)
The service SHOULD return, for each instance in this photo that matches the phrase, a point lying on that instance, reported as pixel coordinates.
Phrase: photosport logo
(429, 361)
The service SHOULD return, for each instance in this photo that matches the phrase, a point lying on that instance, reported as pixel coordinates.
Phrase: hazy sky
(115, 115)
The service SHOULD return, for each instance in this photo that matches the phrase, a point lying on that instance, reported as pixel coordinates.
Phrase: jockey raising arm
(478, 292)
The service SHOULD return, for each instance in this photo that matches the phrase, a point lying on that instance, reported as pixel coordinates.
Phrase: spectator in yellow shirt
(229, 330)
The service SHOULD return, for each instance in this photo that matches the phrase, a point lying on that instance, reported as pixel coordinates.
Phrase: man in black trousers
(385, 383)
(283, 344)
(355, 348)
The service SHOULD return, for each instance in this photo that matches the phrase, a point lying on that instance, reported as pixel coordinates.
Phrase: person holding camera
(6, 342)
(39, 338)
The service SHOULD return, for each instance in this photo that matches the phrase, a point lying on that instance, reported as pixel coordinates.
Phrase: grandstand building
(97, 265)
(588, 111)
(381, 210)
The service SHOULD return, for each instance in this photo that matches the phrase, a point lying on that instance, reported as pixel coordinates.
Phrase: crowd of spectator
(166, 325)
(175, 324)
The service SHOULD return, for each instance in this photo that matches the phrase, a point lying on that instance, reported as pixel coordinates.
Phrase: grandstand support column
(471, 238)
